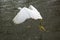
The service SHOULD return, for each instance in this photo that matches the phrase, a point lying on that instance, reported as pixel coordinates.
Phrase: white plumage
(26, 13)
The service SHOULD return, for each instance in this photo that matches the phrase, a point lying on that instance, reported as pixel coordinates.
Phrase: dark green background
(29, 30)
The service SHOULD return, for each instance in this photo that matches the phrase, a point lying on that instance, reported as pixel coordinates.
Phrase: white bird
(26, 13)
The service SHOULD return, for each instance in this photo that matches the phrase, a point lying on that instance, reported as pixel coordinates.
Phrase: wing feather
(21, 16)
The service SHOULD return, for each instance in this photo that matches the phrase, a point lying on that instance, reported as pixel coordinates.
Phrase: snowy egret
(26, 13)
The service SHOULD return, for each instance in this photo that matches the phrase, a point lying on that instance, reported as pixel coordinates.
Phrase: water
(29, 30)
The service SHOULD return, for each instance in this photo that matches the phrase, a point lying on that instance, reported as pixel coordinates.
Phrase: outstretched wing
(35, 14)
(21, 16)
